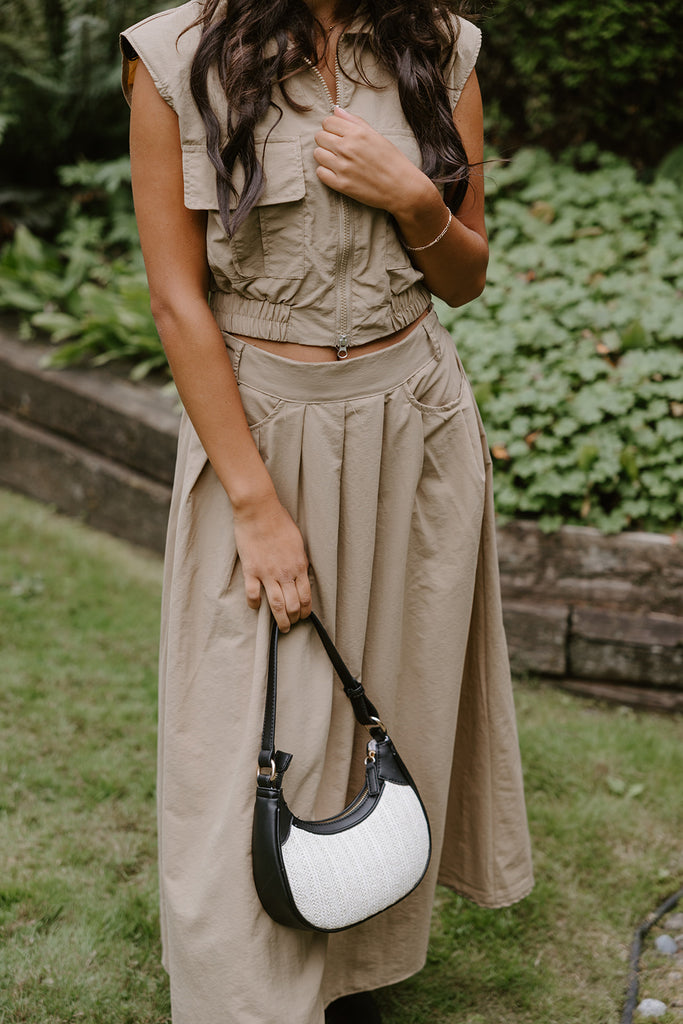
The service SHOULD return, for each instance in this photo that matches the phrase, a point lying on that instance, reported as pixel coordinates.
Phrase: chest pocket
(270, 243)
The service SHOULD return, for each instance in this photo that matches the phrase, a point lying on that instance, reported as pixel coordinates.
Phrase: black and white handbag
(331, 874)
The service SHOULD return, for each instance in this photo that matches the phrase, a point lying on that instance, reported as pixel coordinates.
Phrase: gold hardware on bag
(273, 772)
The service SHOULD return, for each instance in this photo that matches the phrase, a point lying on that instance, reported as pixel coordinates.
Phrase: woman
(315, 169)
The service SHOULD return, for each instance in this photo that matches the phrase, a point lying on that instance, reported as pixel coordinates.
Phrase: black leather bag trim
(390, 767)
(270, 876)
(343, 821)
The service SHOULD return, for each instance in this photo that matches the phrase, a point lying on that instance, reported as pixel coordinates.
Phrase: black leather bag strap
(365, 711)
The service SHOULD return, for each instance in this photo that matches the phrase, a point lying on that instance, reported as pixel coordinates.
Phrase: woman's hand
(271, 551)
(355, 159)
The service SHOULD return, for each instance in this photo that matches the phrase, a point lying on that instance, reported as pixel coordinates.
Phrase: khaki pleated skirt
(382, 462)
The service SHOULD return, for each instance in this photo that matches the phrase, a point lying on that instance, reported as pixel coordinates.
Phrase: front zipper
(349, 810)
(344, 247)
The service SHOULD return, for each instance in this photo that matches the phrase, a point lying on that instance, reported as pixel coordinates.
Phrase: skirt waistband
(362, 376)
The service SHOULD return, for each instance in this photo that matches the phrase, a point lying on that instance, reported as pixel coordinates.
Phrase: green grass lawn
(78, 908)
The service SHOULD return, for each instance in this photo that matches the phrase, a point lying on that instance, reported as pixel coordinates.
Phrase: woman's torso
(322, 353)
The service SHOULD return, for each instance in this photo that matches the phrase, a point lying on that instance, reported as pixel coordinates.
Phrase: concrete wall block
(634, 696)
(537, 636)
(84, 484)
(579, 565)
(135, 424)
(625, 647)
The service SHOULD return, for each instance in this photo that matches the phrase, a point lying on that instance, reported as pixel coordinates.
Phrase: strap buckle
(377, 723)
(261, 774)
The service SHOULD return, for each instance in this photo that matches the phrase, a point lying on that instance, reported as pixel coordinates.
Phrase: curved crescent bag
(331, 874)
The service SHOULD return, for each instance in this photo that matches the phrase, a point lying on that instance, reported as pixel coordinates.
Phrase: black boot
(359, 1008)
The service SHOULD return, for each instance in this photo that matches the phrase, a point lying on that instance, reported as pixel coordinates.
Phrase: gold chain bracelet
(419, 248)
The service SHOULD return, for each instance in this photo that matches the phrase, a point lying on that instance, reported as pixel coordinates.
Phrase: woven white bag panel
(343, 878)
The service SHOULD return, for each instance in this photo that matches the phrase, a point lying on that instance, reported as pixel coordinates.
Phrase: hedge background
(558, 73)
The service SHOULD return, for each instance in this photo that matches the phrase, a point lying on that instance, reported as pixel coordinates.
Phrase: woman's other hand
(272, 555)
(355, 159)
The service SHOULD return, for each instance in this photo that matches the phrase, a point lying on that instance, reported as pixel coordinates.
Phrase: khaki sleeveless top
(308, 265)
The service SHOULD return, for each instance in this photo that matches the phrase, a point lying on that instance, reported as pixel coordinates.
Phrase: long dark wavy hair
(413, 41)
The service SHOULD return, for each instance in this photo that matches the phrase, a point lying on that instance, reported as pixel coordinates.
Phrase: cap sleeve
(165, 49)
(166, 44)
(465, 57)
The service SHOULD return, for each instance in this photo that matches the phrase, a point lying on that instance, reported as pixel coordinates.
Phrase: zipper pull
(371, 776)
(342, 346)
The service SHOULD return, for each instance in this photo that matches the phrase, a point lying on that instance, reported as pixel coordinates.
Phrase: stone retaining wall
(94, 445)
(585, 606)
(599, 613)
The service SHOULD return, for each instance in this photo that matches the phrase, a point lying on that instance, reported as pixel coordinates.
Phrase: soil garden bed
(601, 614)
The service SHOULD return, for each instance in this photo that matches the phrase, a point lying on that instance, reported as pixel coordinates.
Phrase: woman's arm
(355, 159)
(173, 242)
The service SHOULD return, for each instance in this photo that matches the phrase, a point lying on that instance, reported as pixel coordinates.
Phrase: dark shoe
(359, 1008)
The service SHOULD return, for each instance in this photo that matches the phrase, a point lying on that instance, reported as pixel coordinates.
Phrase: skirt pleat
(382, 462)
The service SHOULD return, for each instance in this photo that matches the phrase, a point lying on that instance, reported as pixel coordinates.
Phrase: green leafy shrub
(575, 348)
(88, 290)
(558, 74)
(60, 94)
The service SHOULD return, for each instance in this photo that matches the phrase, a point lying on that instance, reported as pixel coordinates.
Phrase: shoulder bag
(331, 874)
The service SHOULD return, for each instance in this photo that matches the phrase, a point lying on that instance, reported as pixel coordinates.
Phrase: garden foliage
(561, 73)
(88, 290)
(60, 91)
(575, 348)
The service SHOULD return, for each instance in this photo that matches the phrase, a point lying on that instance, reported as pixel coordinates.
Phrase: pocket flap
(283, 172)
(282, 168)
